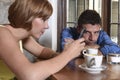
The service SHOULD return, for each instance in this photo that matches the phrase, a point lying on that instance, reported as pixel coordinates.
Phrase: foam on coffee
(91, 54)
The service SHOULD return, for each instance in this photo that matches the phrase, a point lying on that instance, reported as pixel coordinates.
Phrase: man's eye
(97, 32)
(86, 32)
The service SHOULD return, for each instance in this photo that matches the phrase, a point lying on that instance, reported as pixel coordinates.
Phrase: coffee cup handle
(84, 52)
(92, 62)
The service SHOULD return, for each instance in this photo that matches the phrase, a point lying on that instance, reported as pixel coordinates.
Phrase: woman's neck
(18, 33)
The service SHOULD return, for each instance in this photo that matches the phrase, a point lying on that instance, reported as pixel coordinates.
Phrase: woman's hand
(67, 42)
(74, 47)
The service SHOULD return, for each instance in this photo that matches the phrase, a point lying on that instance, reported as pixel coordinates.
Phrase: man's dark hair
(89, 17)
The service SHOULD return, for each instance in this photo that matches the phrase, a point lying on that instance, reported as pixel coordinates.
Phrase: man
(89, 27)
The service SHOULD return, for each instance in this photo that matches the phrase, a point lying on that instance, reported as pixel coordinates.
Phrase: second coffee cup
(91, 51)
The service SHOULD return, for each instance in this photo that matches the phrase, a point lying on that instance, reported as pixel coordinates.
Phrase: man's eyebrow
(89, 31)
(98, 31)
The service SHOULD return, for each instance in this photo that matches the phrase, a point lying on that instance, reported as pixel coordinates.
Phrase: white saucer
(92, 70)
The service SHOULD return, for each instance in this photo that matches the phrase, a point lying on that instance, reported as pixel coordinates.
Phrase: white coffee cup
(113, 58)
(93, 60)
(93, 51)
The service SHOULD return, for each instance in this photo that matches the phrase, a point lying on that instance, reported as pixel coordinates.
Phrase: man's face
(91, 33)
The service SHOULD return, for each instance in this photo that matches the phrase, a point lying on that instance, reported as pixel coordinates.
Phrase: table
(111, 73)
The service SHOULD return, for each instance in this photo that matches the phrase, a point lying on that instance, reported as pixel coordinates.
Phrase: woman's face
(38, 27)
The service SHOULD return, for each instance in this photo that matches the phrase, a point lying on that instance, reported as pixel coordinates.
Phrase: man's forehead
(90, 27)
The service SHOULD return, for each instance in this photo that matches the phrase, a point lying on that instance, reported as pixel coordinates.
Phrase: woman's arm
(36, 49)
(48, 67)
(47, 53)
(11, 54)
(57, 63)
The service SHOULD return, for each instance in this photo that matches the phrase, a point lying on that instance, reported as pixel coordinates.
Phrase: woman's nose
(46, 25)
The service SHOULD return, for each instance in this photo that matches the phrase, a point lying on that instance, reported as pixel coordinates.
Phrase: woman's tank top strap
(2, 26)
(21, 47)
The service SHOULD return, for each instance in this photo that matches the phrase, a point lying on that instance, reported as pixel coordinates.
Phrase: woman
(28, 21)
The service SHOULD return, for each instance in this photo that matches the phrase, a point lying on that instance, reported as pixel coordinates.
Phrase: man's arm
(65, 37)
(107, 45)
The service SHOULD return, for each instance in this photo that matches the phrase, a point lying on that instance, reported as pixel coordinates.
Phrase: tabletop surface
(112, 72)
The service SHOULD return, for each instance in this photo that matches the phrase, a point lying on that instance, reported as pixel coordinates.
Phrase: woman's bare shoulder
(6, 40)
(5, 35)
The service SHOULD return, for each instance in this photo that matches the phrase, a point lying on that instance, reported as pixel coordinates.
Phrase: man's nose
(92, 37)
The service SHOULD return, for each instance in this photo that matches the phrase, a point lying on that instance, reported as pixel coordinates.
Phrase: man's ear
(100, 29)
